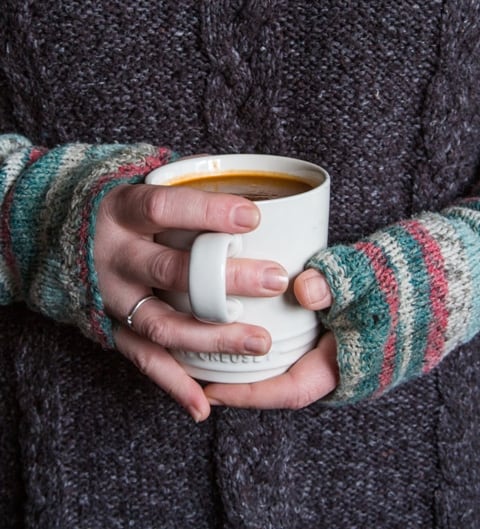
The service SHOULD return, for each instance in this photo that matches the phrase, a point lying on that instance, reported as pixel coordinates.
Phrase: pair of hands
(129, 264)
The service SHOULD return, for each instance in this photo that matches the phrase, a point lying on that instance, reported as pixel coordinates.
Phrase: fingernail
(215, 402)
(274, 279)
(246, 216)
(195, 414)
(316, 290)
(256, 345)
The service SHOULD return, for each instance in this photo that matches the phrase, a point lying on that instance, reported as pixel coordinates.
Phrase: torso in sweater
(359, 89)
(371, 91)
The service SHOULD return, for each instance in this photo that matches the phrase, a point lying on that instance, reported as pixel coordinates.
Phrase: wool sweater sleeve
(403, 298)
(49, 201)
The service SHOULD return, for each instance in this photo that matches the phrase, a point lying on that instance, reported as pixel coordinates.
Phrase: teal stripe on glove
(49, 203)
(403, 298)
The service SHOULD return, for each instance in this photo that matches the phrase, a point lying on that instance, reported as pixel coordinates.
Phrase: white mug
(291, 230)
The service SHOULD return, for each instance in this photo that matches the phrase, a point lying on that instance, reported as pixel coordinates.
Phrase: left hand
(129, 264)
(309, 379)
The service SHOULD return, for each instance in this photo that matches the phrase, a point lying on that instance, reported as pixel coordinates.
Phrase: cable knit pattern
(382, 94)
(49, 205)
(245, 48)
(403, 298)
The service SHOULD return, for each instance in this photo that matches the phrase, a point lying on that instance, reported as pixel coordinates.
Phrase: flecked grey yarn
(385, 96)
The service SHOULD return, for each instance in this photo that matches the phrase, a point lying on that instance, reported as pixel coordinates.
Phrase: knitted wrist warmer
(403, 299)
(49, 202)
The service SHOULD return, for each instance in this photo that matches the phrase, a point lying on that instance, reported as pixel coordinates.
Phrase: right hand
(130, 264)
(311, 378)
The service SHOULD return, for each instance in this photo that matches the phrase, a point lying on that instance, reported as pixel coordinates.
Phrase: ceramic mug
(292, 228)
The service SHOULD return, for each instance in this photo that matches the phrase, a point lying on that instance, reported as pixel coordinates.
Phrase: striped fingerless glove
(49, 201)
(403, 298)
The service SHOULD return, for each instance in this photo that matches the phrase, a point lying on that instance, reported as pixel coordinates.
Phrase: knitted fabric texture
(403, 298)
(385, 96)
(49, 206)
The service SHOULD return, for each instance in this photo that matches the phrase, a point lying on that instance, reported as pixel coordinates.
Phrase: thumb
(312, 290)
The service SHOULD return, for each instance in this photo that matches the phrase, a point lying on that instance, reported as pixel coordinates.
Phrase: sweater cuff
(403, 298)
(48, 225)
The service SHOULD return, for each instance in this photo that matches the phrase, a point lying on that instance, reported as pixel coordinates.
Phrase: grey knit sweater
(385, 96)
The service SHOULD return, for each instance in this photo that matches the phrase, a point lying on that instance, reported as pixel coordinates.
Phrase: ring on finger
(135, 308)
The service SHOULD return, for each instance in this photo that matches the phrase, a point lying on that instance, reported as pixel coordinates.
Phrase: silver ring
(137, 305)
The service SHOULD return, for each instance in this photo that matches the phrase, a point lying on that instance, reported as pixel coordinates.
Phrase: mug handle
(207, 288)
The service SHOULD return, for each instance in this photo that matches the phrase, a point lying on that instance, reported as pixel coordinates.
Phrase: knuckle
(153, 329)
(215, 212)
(143, 362)
(209, 212)
(170, 389)
(168, 267)
(153, 204)
(178, 390)
(235, 276)
(163, 265)
(220, 343)
(302, 398)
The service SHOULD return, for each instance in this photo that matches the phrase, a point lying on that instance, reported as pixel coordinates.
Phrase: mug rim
(205, 165)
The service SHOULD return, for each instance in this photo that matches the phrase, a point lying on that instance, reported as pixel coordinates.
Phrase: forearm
(49, 201)
(403, 298)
